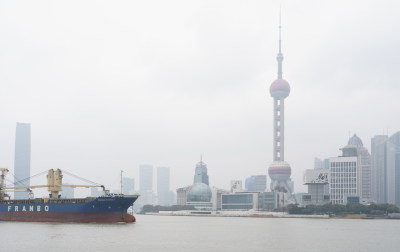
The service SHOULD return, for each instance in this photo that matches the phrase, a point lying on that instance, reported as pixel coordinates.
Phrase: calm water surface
(177, 233)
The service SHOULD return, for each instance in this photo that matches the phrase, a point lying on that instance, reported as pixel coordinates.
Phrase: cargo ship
(110, 208)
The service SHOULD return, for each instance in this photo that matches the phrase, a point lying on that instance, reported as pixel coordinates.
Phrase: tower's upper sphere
(279, 89)
(280, 171)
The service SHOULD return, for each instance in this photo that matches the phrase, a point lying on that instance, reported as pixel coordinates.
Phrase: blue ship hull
(101, 209)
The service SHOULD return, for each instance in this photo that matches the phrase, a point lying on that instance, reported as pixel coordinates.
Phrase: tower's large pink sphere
(279, 89)
(280, 171)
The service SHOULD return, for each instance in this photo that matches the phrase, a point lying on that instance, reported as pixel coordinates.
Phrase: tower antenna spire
(279, 57)
(280, 26)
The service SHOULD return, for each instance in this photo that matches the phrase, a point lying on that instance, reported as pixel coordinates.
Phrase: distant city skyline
(106, 94)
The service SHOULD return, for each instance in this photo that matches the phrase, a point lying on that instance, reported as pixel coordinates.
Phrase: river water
(189, 233)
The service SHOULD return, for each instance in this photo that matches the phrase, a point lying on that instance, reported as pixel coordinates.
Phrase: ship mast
(121, 180)
(2, 182)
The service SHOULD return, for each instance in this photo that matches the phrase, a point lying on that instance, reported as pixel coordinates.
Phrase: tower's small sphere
(279, 89)
(279, 170)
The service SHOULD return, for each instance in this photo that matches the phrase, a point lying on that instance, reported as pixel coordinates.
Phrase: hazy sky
(109, 85)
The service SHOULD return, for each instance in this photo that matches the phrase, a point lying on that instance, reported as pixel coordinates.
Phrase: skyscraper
(146, 184)
(163, 192)
(343, 175)
(128, 186)
(386, 168)
(256, 183)
(200, 175)
(22, 158)
(364, 168)
(146, 177)
(279, 171)
(378, 168)
(350, 174)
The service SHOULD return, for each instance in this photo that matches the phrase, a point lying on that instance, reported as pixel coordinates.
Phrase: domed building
(199, 194)
(355, 141)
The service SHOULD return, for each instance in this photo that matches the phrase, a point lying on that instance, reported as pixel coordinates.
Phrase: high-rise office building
(22, 158)
(256, 183)
(128, 186)
(146, 184)
(378, 168)
(146, 177)
(343, 175)
(163, 193)
(364, 168)
(350, 174)
(321, 164)
(386, 168)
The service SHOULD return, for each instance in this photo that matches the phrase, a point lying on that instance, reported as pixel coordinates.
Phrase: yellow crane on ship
(54, 184)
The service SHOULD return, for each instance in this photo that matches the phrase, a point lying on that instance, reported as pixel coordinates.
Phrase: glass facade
(199, 192)
(238, 201)
(267, 201)
(237, 198)
(22, 159)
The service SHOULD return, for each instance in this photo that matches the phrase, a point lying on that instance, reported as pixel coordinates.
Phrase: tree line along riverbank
(344, 210)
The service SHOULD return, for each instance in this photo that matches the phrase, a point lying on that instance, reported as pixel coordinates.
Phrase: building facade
(268, 201)
(146, 185)
(200, 175)
(350, 174)
(128, 186)
(240, 201)
(236, 186)
(22, 158)
(386, 168)
(163, 180)
(343, 175)
(364, 179)
(256, 183)
(316, 180)
(378, 147)
(181, 195)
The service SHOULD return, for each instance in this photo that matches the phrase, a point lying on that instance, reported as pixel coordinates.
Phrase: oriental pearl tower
(279, 171)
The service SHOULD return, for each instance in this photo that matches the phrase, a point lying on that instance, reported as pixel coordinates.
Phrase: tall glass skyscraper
(22, 158)
(386, 168)
(146, 184)
(163, 193)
